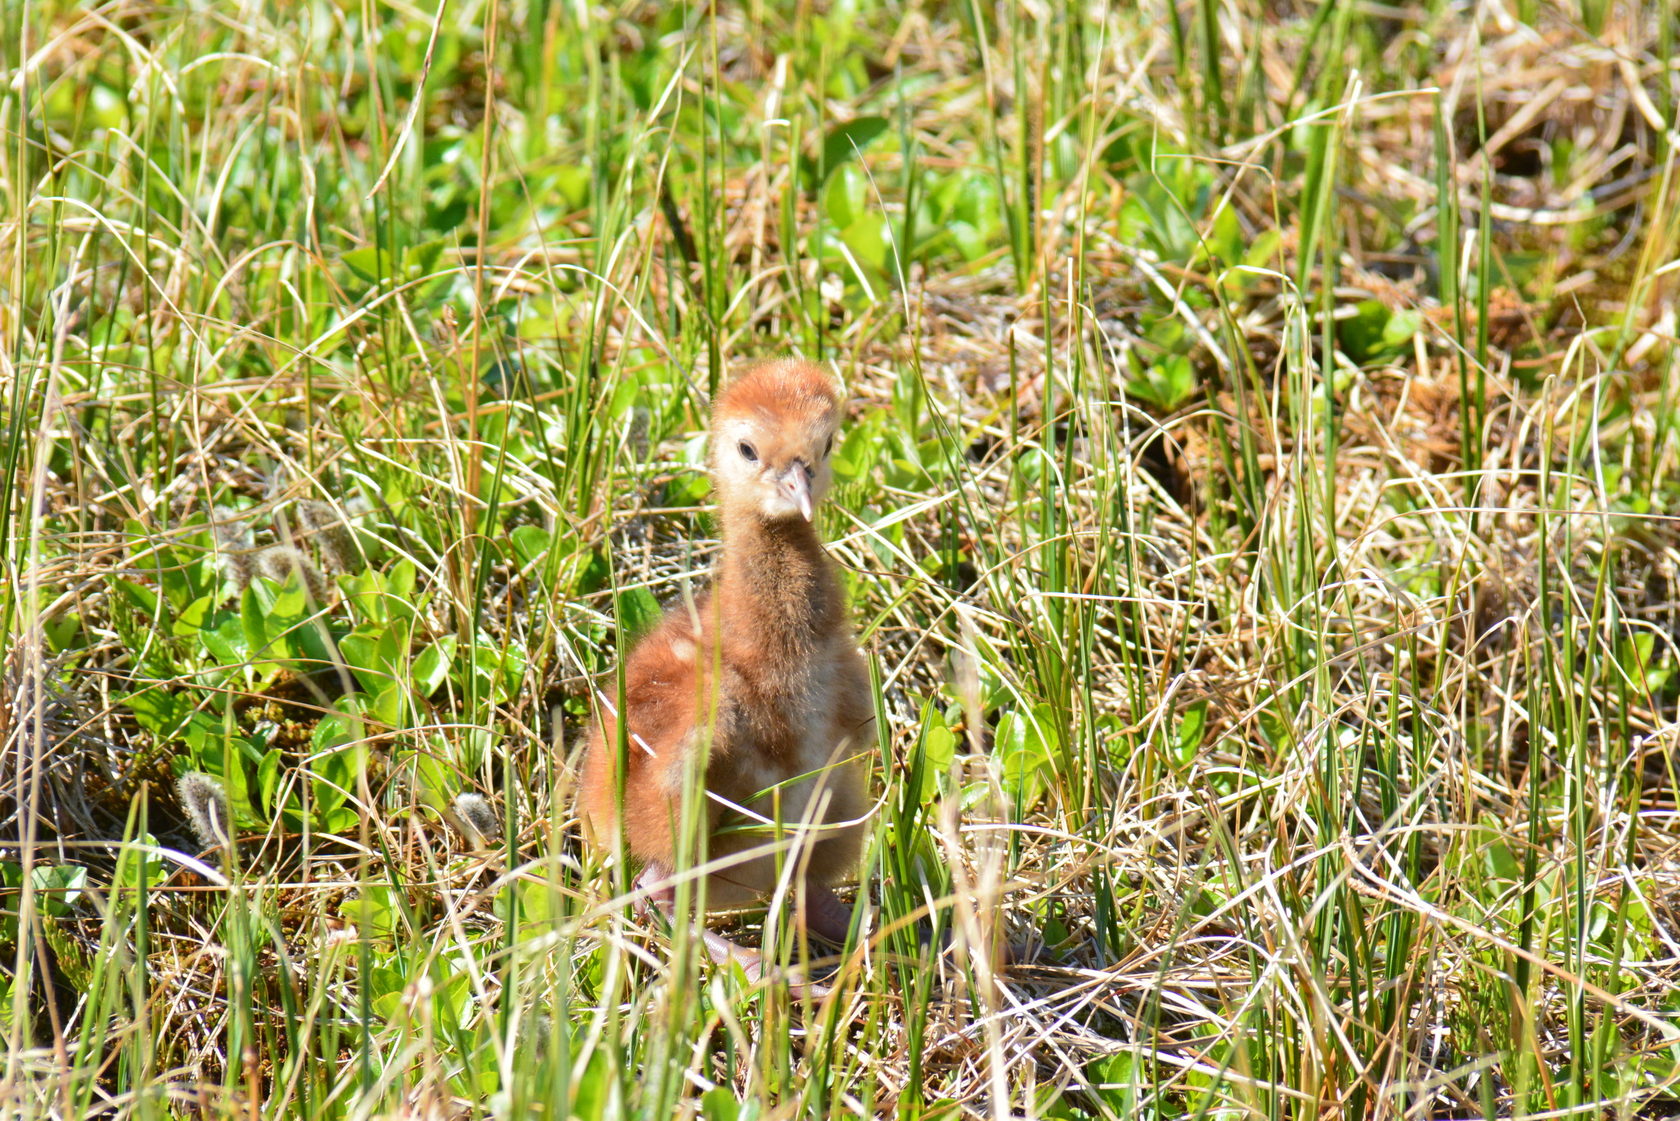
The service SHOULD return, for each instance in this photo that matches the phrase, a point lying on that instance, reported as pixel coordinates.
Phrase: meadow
(1254, 502)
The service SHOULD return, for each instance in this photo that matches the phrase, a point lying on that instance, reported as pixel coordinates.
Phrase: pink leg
(1006, 954)
(662, 894)
(822, 913)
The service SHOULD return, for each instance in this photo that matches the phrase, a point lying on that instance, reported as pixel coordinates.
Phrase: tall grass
(1254, 506)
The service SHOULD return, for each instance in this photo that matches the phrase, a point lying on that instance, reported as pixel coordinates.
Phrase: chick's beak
(796, 483)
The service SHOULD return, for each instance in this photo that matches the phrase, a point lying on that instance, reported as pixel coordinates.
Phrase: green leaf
(846, 196)
(595, 573)
(1499, 862)
(335, 730)
(970, 242)
(393, 648)
(432, 666)
(935, 749)
(339, 757)
(268, 780)
(226, 642)
(62, 630)
(687, 488)
(435, 775)
(531, 543)
(400, 581)
(497, 671)
(253, 616)
(1192, 726)
(720, 1104)
(976, 200)
(160, 713)
(572, 184)
(1361, 335)
(843, 142)
(376, 655)
(365, 262)
(858, 450)
(638, 611)
(375, 911)
(361, 654)
(1402, 325)
(194, 617)
(1166, 384)
(282, 615)
(390, 704)
(59, 887)
(422, 260)
(869, 238)
(1263, 248)
(137, 866)
(143, 600)
(1225, 240)
(1025, 745)
(1117, 1081)
(594, 1088)
(11, 879)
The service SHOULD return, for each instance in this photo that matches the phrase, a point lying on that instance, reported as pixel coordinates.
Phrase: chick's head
(773, 432)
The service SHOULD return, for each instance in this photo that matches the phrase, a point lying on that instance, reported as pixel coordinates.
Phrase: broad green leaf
(390, 704)
(142, 599)
(161, 713)
(531, 543)
(365, 263)
(1025, 746)
(721, 1104)
(226, 641)
(62, 630)
(393, 648)
(422, 260)
(935, 749)
(846, 195)
(375, 911)
(593, 1089)
(59, 887)
(399, 582)
(137, 866)
(194, 617)
(1191, 728)
(571, 183)
(268, 781)
(638, 611)
(361, 654)
(869, 237)
(432, 666)
(843, 142)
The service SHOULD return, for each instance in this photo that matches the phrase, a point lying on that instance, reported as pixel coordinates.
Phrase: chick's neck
(775, 582)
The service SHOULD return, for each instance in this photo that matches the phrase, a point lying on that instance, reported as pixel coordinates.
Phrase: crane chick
(762, 674)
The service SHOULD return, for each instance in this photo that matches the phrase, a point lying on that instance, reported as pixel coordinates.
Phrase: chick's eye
(828, 447)
(747, 452)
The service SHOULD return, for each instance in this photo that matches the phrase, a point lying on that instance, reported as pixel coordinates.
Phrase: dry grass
(1258, 505)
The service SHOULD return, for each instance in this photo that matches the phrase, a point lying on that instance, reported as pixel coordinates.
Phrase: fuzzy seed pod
(280, 562)
(331, 534)
(205, 802)
(235, 544)
(480, 818)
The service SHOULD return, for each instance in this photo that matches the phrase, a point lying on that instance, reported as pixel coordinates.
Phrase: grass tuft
(1255, 503)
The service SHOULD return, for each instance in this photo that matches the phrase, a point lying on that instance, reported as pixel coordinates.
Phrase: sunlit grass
(1255, 505)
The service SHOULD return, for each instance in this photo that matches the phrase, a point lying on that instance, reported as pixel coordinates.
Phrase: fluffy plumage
(763, 674)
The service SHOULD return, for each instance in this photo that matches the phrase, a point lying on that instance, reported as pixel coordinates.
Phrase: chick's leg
(824, 914)
(660, 893)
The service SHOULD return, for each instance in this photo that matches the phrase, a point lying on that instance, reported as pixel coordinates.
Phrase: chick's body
(762, 673)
